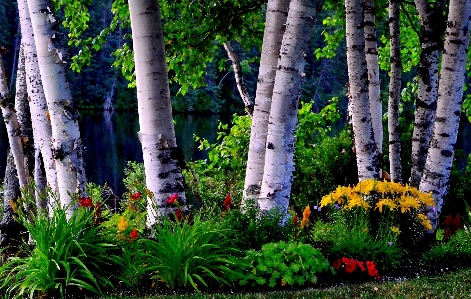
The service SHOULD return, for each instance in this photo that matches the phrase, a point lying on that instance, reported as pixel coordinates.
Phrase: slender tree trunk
(436, 173)
(42, 130)
(11, 192)
(372, 65)
(367, 152)
(277, 12)
(394, 93)
(279, 164)
(157, 135)
(15, 57)
(239, 78)
(432, 26)
(13, 128)
(67, 148)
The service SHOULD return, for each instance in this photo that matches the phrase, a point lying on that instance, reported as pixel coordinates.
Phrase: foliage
(280, 264)
(188, 254)
(67, 254)
(454, 253)
(251, 228)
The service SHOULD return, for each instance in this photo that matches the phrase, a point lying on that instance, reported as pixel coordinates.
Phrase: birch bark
(367, 152)
(437, 169)
(279, 164)
(394, 93)
(67, 148)
(432, 26)
(157, 135)
(372, 65)
(277, 12)
(42, 130)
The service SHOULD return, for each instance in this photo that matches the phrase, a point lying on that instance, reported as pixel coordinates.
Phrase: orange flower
(122, 224)
(306, 214)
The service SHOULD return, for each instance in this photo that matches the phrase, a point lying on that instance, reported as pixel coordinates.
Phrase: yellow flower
(365, 187)
(385, 202)
(395, 230)
(423, 219)
(306, 214)
(122, 224)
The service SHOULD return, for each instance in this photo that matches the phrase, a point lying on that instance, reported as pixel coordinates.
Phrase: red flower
(179, 215)
(135, 196)
(227, 202)
(295, 221)
(86, 202)
(337, 264)
(372, 271)
(360, 265)
(134, 234)
(350, 265)
(172, 199)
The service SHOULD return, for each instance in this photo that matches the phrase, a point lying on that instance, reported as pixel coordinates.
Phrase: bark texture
(432, 26)
(162, 158)
(277, 12)
(437, 169)
(279, 164)
(394, 93)
(367, 152)
(372, 65)
(244, 94)
(67, 148)
(42, 130)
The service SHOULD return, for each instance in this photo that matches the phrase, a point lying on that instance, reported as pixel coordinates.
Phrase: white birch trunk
(67, 148)
(157, 135)
(13, 128)
(371, 56)
(279, 164)
(277, 12)
(395, 167)
(431, 20)
(437, 169)
(244, 94)
(367, 152)
(42, 130)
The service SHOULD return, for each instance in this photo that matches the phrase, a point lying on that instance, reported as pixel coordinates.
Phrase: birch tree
(279, 165)
(42, 130)
(437, 169)
(277, 12)
(67, 148)
(156, 133)
(432, 23)
(367, 152)
(394, 93)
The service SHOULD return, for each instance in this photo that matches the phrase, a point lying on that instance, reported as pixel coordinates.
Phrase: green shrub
(280, 264)
(456, 252)
(188, 254)
(66, 254)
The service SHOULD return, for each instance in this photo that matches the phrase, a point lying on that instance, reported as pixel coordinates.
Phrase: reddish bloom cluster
(451, 226)
(227, 202)
(295, 220)
(86, 202)
(351, 264)
(135, 196)
(134, 234)
(172, 199)
(179, 214)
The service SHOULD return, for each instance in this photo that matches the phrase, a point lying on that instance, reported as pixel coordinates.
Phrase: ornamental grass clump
(400, 206)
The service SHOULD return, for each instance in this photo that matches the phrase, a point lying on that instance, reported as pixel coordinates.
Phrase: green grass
(450, 285)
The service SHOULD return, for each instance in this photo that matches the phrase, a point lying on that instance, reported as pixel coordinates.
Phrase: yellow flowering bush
(381, 196)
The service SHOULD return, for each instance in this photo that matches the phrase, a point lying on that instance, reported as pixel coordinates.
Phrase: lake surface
(111, 141)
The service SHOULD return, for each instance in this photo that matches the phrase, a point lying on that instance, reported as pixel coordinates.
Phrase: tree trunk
(13, 128)
(432, 22)
(67, 148)
(372, 65)
(157, 135)
(436, 173)
(279, 164)
(42, 130)
(395, 167)
(367, 152)
(277, 12)
(239, 78)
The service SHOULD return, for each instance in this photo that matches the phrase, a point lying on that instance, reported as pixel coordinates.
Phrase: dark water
(111, 141)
